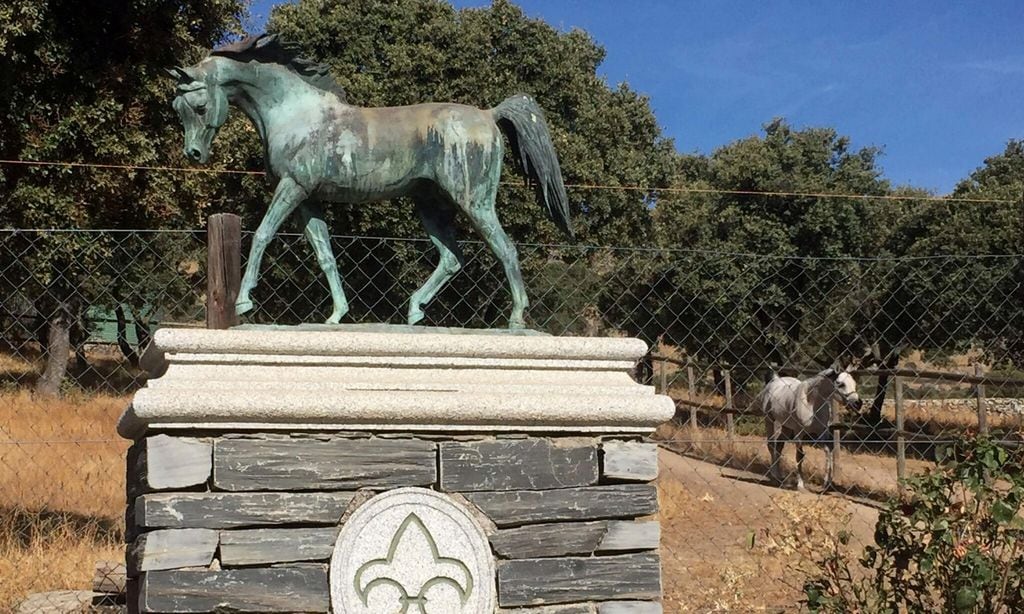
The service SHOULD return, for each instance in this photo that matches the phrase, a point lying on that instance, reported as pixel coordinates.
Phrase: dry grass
(867, 475)
(61, 491)
(42, 551)
(13, 367)
(735, 546)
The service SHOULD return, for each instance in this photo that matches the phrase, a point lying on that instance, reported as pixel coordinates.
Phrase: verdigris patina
(318, 148)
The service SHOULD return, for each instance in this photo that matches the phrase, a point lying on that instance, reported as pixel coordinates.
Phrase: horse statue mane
(271, 49)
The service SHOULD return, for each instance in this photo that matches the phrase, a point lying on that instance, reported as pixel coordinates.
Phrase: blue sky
(938, 86)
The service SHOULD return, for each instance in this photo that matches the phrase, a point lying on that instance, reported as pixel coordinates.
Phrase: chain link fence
(946, 331)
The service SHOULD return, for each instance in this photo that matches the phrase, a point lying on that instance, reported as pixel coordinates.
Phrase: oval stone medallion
(412, 551)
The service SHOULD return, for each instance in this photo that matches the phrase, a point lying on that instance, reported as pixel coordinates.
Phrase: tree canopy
(83, 83)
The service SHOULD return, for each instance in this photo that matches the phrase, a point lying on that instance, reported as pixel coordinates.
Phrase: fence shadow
(24, 528)
(100, 372)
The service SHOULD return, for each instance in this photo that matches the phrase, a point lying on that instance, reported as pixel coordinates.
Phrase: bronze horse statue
(318, 148)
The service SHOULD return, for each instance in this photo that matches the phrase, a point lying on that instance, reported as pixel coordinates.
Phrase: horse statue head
(202, 106)
(205, 90)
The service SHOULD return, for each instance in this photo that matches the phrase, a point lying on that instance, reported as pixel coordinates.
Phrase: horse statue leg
(287, 197)
(319, 237)
(438, 218)
(485, 221)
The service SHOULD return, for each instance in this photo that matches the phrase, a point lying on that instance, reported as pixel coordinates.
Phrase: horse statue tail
(522, 121)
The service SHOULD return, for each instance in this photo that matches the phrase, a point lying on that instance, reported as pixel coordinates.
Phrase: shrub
(951, 543)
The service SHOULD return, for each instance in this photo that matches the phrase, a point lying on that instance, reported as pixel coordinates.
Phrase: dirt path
(730, 545)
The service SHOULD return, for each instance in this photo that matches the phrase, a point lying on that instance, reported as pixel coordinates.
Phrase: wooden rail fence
(897, 377)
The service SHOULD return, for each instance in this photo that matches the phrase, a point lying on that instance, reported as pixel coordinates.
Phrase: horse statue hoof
(336, 316)
(415, 316)
(516, 324)
(243, 307)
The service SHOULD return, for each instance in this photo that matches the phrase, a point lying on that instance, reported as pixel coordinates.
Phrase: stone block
(338, 378)
(293, 588)
(265, 546)
(109, 577)
(629, 461)
(57, 602)
(162, 462)
(510, 508)
(574, 538)
(336, 464)
(220, 510)
(171, 549)
(527, 464)
(567, 580)
(571, 608)
(629, 607)
(550, 539)
(626, 535)
(131, 529)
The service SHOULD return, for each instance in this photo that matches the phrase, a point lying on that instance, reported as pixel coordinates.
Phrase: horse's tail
(522, 121)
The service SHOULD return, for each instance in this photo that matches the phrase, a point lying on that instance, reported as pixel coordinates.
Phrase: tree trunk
(122, 337)
(58, 345)
(719, 379)
(79, 335)
(645, 368)
(891, 362)
(142, 333)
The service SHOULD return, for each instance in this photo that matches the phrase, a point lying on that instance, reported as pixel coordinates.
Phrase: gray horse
(318, 148)
(800, 411)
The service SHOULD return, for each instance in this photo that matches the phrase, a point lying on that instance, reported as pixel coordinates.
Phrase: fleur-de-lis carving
(402, 570)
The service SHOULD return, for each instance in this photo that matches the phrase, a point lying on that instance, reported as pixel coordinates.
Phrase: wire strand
(126, 167)
(576, 186)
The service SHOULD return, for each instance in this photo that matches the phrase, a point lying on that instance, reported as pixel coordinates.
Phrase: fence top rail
(717, 409)
(647, 249)
(947, 376)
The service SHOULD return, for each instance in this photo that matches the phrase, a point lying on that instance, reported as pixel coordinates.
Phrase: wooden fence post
(691, 394)
(980, 392)
(901, 437)
(223, 269)
(730, 426)
(837, 440)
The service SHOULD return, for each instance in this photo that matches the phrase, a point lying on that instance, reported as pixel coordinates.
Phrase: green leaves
(955, 549)
(966, 599)
(82, 82)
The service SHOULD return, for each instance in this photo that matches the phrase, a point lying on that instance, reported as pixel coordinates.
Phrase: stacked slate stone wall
(248, 522)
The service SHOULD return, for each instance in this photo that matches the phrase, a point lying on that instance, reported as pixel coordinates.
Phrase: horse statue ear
(265, 39)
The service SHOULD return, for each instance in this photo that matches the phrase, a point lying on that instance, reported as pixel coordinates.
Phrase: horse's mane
(270, 49)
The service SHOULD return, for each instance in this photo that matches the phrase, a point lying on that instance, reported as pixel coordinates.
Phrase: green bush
(952, 543)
